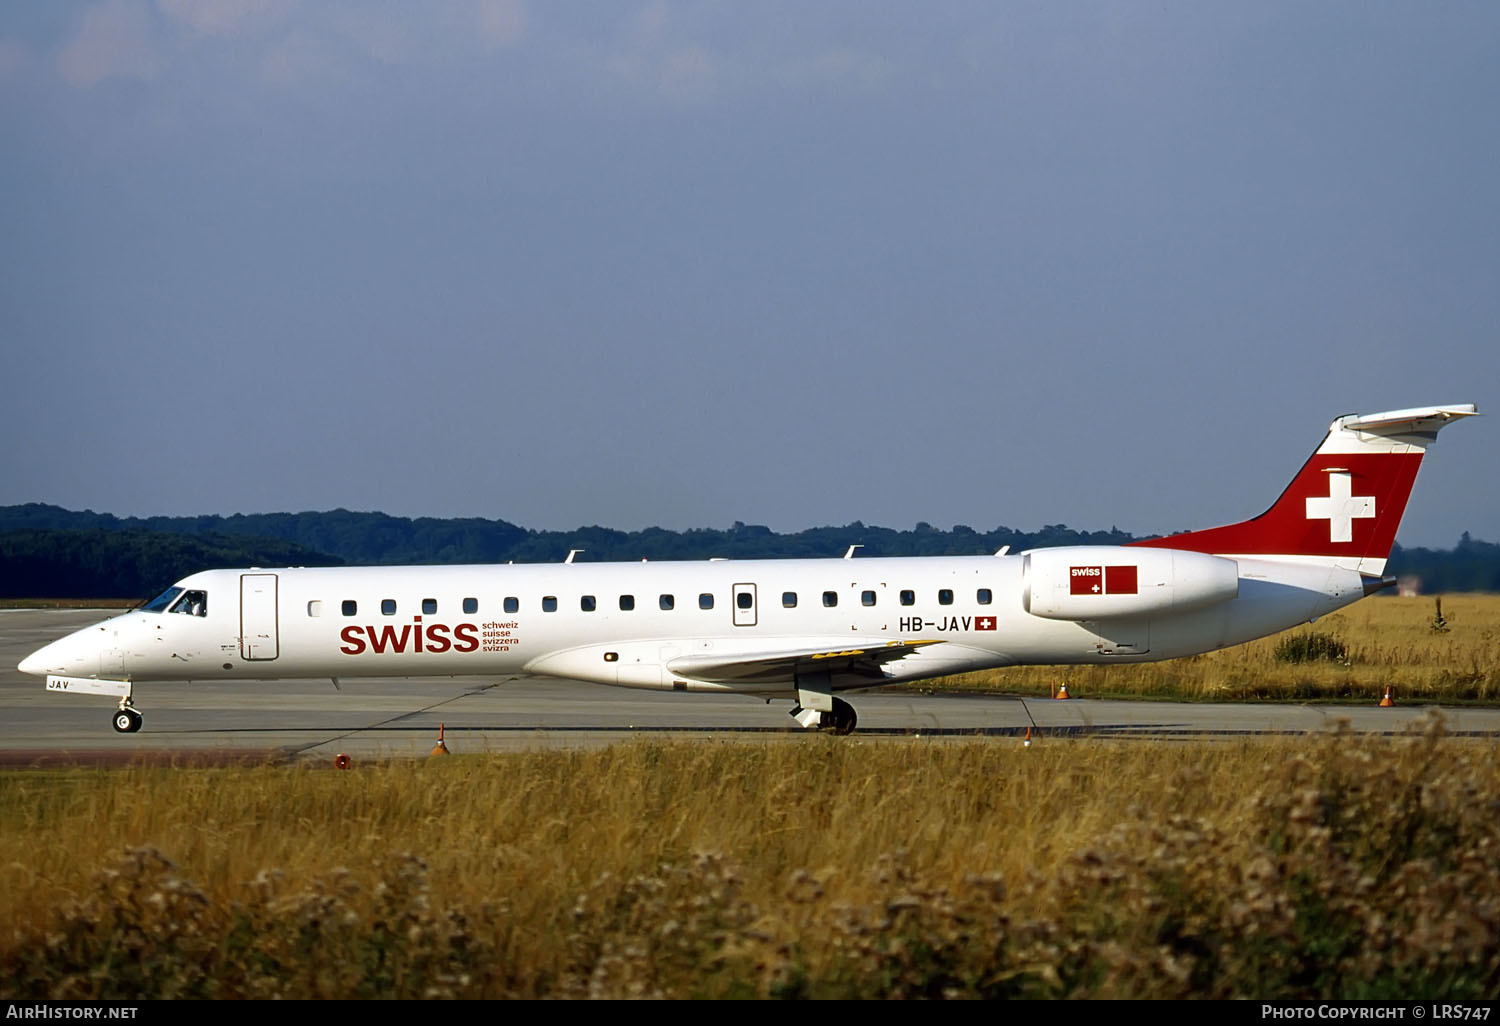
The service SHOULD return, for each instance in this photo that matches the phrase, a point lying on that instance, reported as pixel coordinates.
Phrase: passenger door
(259, 638)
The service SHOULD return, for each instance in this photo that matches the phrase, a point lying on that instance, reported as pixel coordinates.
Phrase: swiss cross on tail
(1345, 504)
(1341, 507)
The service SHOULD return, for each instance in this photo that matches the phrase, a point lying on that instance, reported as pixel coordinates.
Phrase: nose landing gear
(127, 719)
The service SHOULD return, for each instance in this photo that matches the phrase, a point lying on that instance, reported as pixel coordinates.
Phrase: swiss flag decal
(984, 623)
(1120, 580)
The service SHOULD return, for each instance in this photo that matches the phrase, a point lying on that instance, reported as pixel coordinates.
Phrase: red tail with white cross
(1345, 503)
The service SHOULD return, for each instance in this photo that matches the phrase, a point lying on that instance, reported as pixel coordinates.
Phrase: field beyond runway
(311, 720)
(720, 852)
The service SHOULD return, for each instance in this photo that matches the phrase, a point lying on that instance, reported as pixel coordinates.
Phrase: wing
(759, 666)
(778, 666)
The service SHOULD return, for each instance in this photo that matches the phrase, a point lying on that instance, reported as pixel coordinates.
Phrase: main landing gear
(838, 720)
(816, 706)
(127, 718)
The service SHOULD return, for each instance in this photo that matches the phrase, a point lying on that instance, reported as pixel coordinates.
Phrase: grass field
(1332, 866)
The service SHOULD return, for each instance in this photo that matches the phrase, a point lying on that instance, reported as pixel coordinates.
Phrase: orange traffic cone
(440, 748)
(1387, 701)
(1062, 691)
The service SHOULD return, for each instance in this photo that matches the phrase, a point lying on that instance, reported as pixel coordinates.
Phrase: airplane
(808, 630)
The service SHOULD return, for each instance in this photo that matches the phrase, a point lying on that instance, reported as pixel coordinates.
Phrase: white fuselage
(718, 625)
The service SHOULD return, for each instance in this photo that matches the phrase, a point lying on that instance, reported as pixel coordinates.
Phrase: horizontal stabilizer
(1421, 423)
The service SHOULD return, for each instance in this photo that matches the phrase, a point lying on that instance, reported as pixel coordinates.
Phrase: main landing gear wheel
(127, 721)
(841, 720)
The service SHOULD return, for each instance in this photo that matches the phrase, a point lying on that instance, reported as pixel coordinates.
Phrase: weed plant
(1333, 866)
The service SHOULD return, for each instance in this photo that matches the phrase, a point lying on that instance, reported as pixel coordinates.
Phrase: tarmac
(311, 720)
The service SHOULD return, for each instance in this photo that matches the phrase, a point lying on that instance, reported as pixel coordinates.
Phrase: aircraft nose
(36, 662)
(62, 656)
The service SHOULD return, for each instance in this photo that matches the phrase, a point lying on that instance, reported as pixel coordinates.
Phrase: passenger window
(471, 605)
(945, 597)
(587, 603)
(908, 597)
(388, 606)
(789, 599)
(549, 603)
(667, 602)
(512, 604)
(429, 606)
(830, 599)
(867, 598)
(350, 607)
(983, 596)
(627, 602)
(744, 599)
(315, 608)
(706, 601)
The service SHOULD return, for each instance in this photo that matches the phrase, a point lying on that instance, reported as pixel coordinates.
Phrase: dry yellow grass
(827, 867)
(548, 822)
(1390, 642)
(832, 868)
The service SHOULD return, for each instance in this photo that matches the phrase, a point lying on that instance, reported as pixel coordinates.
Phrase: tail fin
(1345, 504)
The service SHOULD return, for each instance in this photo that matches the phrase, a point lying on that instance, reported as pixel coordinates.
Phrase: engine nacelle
(1098, 582)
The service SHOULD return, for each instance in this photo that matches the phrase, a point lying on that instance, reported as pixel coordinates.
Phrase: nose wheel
(127, 720)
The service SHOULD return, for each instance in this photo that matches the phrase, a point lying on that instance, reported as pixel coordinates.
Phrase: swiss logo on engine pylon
(1102, 580)
(1341, 507)
(1086, 580)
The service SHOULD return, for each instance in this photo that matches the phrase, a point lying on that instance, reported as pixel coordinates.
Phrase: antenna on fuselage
(1003, 550)
(850, 553)
(571, 554)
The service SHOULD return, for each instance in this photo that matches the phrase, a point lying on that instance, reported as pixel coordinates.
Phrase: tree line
(50, 552)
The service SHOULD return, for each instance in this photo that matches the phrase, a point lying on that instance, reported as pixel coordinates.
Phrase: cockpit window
(192, 603)
(161, 601)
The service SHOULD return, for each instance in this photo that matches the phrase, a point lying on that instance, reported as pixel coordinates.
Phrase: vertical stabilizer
(1345, 504)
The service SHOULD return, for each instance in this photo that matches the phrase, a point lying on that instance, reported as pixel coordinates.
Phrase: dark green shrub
(1312, 648)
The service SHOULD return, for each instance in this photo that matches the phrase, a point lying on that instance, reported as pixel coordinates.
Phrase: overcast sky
(638, 263)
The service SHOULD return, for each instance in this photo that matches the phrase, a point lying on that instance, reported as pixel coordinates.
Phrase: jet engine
(1103, 581)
